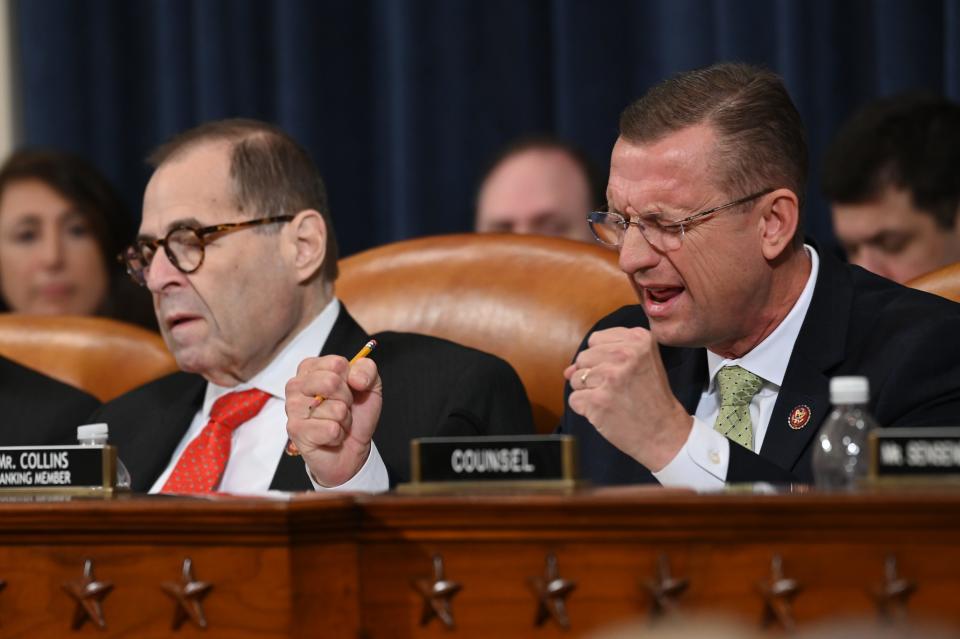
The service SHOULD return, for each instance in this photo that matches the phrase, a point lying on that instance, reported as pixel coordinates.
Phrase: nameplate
(915, 452)
(515, 458)
(57, 469)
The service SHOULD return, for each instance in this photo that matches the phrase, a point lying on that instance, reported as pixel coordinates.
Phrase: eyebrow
(37, 216)
(189, 222)
(28, 218)
(659, 214)
(887, 234)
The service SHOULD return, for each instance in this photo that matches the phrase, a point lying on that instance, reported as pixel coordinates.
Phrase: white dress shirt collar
(769, 358)
(703, 461)
(258, 444)
(273, 379)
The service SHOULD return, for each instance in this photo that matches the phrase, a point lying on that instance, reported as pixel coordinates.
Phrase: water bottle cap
(849, 390)
(92, 430)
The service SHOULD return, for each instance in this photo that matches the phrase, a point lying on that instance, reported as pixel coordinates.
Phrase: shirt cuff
(701, 463)
(371, 478)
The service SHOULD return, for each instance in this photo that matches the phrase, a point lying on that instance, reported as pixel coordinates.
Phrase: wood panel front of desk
(267, 562)
(341, 566)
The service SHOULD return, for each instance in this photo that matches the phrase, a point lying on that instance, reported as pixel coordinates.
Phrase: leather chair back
(104, 357)
(528, 299)
(944, 282)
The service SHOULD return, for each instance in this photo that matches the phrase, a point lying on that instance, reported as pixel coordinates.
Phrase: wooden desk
(338, 566)
(263, 558)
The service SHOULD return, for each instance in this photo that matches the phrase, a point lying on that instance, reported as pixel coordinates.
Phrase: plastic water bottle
(97, 435)
(840, 456)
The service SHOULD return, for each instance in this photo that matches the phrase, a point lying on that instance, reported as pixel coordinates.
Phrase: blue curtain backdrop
(402, 102)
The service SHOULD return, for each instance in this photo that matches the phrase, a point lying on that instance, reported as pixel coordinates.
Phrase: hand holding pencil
(333, 407)
(318, 399)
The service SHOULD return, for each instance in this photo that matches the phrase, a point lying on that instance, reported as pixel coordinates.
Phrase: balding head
(543, 190)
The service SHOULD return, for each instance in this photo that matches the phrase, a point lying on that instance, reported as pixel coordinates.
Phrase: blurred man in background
(892, 177)
(538, 185)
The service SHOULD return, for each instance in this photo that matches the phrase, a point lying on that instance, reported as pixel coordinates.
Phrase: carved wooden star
(552, 592)
(664, 589)
(778, 595)
(891, 598)
(189, 595)
(437, 595)
(89, 595)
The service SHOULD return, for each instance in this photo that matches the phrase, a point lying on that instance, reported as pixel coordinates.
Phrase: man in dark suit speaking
(236, 245)
(721, 373)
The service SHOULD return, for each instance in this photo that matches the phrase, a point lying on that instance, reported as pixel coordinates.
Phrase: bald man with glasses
(236, 246)
(721, 373)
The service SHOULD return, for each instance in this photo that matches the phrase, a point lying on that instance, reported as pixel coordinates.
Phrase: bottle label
(57, 469)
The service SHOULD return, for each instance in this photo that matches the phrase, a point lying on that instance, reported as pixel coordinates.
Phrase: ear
(308, 239)
(778, 222)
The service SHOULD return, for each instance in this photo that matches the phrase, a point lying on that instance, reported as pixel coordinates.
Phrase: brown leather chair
(944, 282)
(102, 356)
(527, 299)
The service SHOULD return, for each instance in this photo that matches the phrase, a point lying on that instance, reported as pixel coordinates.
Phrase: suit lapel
(805, 386)
(291, 475)
(346, 338)
(687, 374)
(159, 430)
(819, 348)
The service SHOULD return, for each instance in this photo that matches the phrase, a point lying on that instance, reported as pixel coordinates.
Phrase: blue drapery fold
(402, 103)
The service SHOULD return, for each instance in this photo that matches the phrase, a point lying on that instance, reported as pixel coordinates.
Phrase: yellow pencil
(318, 399)
(366, 350)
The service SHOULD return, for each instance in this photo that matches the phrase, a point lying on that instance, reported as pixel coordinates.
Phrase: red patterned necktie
(200, 466)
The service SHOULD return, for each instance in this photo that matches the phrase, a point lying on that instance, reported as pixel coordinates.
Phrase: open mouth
(180, 320)
(56, 290)
(662, 295)
(658, 301)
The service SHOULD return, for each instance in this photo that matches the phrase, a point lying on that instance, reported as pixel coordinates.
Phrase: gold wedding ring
(583, 377)
(291, 449)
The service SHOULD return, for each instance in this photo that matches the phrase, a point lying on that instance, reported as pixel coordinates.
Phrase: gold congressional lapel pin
(799, 417)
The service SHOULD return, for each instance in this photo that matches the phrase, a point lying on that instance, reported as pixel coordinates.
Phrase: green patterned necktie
(737, 388)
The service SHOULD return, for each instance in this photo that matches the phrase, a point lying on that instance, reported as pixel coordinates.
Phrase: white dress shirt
(703, 461)
(258, 444)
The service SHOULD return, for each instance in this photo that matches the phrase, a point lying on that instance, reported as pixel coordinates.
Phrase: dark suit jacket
(431, 387)
(38, 410)
(906, 342)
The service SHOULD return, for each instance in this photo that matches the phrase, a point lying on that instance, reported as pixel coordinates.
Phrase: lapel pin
(799, 417)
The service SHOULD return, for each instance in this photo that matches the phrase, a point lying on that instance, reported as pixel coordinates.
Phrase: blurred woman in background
(61, 228)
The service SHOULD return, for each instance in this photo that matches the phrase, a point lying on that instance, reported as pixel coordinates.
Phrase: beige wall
(8, 90)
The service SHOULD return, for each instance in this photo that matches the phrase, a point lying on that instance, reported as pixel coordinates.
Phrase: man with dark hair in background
(892, 176)
(538, 185)
(237, 248)
(721, 373)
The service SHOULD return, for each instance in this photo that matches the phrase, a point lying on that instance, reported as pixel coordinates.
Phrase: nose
(636, 253)
(51, 248)
(161, 273)
(868, 258)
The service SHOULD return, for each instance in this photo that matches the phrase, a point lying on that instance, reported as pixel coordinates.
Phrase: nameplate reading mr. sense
(538, 458)
(56, 468)
(915, 452)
